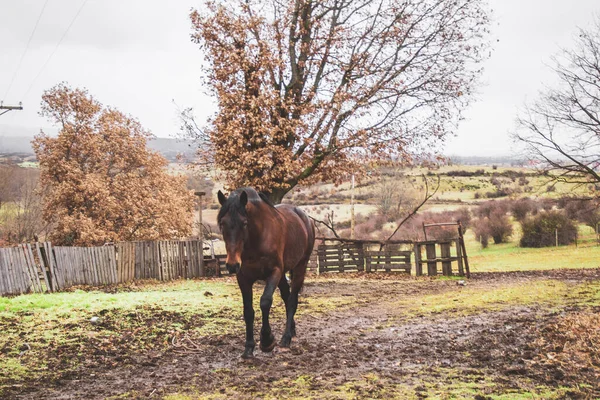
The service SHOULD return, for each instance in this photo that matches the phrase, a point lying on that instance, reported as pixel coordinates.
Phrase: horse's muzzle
(233, 268)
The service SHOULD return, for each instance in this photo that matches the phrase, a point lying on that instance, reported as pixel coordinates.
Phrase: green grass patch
(469, 300)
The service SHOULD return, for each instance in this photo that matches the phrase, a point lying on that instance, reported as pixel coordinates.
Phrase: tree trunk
(276, 195)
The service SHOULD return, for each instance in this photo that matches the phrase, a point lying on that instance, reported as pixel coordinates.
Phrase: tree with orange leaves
(310, 91)
(101, 183)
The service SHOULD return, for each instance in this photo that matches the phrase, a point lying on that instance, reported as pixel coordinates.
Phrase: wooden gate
(442, 254)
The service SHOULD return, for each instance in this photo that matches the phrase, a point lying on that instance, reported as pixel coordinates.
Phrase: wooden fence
(450, 251)
(342, 255)
(41, 267)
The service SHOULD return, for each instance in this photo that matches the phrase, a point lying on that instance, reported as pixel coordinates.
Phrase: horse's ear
(243, 198)
(222, 198)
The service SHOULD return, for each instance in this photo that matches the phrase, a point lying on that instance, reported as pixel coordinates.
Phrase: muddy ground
(371, 349)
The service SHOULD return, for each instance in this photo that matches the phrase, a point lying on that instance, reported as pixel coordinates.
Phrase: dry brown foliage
(101, 182)
(572, 344)
(312, 91)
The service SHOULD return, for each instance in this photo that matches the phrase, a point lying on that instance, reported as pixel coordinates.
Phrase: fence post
(446, 262)
(418, 265)
(431, 262)
(461, 270)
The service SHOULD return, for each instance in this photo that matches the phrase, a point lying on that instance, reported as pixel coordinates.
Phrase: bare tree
(561, 130)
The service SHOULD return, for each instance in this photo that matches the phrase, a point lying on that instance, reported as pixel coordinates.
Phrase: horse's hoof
(285, 341)
(247, 355)
(268, 348)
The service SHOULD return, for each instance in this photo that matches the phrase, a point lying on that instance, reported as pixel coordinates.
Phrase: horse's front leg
(246, 289)
(267, 340)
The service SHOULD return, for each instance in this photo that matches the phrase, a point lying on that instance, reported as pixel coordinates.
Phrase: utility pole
(9, 108)
(200, 205)
(352, 218)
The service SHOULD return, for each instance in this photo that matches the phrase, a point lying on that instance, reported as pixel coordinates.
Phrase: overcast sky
(136, 55)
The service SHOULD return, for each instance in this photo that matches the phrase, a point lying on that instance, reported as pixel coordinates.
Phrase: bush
(493, 223)
(488, 208)
(540, 231)
(585, 211)
(500, 228)
(482, 232)
(522, 207)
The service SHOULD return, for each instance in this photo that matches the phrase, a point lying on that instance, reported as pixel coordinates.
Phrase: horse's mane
(266, 199)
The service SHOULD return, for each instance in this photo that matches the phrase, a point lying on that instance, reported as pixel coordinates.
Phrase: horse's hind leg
(290, 327)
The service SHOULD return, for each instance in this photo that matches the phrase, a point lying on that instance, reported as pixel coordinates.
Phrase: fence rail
(41, 267)
(343, 255)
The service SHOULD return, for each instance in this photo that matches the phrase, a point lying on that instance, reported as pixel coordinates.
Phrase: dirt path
(370, 350)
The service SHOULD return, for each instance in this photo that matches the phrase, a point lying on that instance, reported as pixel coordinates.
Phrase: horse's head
(233, 223)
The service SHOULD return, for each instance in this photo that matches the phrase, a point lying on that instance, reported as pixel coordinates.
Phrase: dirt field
(501, 335)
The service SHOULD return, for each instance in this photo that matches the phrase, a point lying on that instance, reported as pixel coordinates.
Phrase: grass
(506, 257)
(470, 300)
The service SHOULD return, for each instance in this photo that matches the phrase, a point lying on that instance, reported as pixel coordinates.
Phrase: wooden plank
(3, 275)
(93, 267)
(199, 251)
(161, 262)
(431, 263)
(103, 257)
(112, 263)
(138, 260)
(132, 258)
(54, 272)
(13, 278)
(119, 261)
(112, 252)
(22, 261)
(461, 270)
(32, 268)
(418, 265)
(88, 273)
(16, 282)
(10, 280)
(124, 266)
(20, 271)
(103, 264)
(42, 266)
(461, 240)
(446, 263)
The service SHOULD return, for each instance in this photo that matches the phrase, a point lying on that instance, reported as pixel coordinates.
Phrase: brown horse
(264, 242)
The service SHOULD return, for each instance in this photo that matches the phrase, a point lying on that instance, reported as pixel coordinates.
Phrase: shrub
(500, 227)
(482, 232)
(540, 231)
(489, 207)
(583, 210)
(493, 222)
(522, 207)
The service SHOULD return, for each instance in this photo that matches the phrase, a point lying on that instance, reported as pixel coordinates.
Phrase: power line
(55, 48)
(25, 51)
